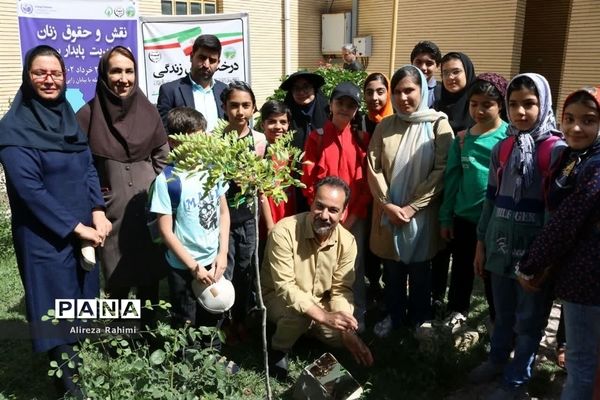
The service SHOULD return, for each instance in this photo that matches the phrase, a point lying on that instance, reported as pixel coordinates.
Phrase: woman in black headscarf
(309, 108)
(307, 103)
(54, 197)
(457, 75)
(129, 146)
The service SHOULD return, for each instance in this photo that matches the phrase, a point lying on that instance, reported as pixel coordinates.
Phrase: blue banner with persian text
(81, 41)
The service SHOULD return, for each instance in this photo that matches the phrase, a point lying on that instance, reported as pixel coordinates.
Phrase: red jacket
(342, 154)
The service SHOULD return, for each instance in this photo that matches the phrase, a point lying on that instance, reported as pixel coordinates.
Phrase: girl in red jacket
(340, 149)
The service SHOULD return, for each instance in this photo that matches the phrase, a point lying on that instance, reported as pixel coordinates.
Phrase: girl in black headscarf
(129, 146)
(54, 197)
(307, 103)
(457, 75)
(309, 108)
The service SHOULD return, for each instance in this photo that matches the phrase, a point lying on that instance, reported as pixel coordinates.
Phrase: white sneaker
(454, 321)
(383, 328)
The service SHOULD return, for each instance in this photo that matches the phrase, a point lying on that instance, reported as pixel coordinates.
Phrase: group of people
(472, 167)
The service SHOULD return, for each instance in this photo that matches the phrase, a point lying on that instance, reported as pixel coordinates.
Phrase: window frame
(201, 3)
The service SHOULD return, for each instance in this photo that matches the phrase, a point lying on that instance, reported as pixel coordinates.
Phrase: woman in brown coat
(129, 146)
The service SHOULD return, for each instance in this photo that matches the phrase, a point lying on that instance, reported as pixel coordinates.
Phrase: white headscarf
(412, 164)
(521, 156)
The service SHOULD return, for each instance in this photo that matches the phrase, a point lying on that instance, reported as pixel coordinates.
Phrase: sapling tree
(226, 157)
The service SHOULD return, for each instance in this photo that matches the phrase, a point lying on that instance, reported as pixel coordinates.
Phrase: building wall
(265, 19)
(488, 32)
(149, 8)
(582, 55)
(544, 49)
(10, 58)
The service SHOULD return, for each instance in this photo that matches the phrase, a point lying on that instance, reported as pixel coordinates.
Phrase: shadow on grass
(401, 371)
(23, 373)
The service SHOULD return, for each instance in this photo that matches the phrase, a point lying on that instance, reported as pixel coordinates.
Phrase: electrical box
(364, 46)
(335, 32)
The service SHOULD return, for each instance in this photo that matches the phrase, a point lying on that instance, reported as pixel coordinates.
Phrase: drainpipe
(286, 38)
(354, 20)
(394, 35)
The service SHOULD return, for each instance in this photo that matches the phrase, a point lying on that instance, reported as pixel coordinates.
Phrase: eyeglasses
(40, 75)
(452, 73)
(302, 88)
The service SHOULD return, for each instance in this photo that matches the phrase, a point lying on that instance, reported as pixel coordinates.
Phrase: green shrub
(333, 76)
(6, 242)
(175, 367)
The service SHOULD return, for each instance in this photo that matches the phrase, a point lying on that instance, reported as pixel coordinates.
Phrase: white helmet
(216, 298)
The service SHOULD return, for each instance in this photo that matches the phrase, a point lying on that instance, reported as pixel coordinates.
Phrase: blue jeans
(582, 324)
(414, 308)
(520, 321)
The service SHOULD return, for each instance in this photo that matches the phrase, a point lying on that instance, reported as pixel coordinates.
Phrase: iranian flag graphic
(185, 40)
(182, 39)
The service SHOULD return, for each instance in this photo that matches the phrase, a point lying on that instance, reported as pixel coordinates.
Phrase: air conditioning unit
(335, 32)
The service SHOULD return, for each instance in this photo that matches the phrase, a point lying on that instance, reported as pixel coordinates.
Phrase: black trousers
(185, 308)
(65, 383)
(241, 267)
(463, 273)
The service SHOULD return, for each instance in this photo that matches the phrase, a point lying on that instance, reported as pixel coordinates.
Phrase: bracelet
(522, 275)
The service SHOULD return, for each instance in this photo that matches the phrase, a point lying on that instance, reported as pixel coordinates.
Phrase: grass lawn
(401, 370)
(23, 373)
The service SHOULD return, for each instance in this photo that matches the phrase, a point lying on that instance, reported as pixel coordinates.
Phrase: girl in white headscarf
(513, 215)
(407, 157)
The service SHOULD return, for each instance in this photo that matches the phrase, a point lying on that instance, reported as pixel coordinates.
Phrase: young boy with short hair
(196, 233)
(427, 56)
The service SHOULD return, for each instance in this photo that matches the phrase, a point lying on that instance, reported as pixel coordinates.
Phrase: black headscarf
(308, 117)
(37, 123)
(125, 129)
(456, 105)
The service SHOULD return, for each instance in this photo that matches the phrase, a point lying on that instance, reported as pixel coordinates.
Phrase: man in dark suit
(198, 90)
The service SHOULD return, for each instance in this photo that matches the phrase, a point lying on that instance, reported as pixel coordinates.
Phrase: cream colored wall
(267, 41)
(582, 56)
(149, 8)
(265, 19)
(488, 32)
(10, 57)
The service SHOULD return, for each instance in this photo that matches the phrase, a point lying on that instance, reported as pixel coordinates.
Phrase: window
(188, 7)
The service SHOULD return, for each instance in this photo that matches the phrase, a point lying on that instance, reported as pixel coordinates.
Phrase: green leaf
(138, 364)
(59, 373)
(53, 364)
(157, 357)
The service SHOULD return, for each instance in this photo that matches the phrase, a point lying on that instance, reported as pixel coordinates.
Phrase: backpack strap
(173, 187)
(505, 149)
(544, 154)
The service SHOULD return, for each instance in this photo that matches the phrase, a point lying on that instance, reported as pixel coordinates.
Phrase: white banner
(167, 43)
